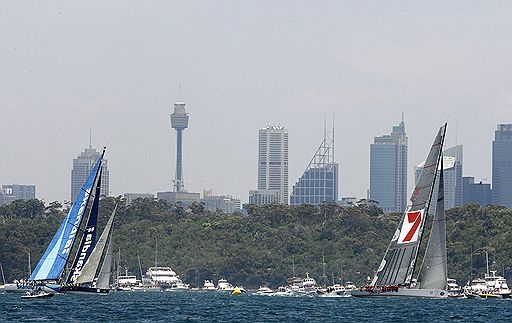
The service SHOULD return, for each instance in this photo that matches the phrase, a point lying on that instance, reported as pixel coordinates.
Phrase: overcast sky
(117, 66)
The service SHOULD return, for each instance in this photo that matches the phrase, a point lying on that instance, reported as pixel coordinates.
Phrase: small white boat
(263, 290)
(497, 285)
(208, 285)
(283, 291)
(336, 290)
(38, 294)
(454, 290)
(224, 286)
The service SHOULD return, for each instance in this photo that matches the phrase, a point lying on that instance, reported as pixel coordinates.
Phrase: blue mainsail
(88, 240)
(54, 260)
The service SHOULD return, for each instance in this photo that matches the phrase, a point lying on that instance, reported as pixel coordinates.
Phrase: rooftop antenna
(179, 92)
(456, 130)
(325, 126)
(90, 137)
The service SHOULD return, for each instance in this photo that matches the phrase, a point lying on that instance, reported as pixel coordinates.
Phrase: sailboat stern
(395, 291)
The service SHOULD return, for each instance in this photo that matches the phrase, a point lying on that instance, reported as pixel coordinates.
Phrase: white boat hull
(403, 292)
(23, 288)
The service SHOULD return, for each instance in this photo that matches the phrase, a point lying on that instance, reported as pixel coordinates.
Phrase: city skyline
(70, 66)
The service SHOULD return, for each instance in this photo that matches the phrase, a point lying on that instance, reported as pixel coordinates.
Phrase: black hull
(83, 290)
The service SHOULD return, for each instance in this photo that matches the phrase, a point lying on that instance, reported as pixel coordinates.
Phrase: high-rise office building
(319, 182)
(452, 182)
(388, 170)
(476, 192)
(452, 165)
(502, 166)
(273, 161)
(82, 166)
(457, 153)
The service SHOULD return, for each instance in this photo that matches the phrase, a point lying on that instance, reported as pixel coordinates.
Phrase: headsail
(90, 269)
(106, 268)
(88, 239)
(56, 256)
(433, 273)
(398, 263)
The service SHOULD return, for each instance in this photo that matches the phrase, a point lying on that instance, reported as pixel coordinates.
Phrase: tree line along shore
(265, 247)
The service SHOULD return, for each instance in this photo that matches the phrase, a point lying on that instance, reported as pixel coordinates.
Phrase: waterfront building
(319, 182)
(220, 203)
(388, 170)
(476, 192)
(82, 166)
(264, 197)
(273, 162)
(130, 197)
(502, 166)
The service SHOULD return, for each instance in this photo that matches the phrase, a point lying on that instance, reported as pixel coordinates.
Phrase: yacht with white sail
(394, 276)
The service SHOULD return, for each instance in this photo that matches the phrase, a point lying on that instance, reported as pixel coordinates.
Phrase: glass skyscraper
(452, 166)
(319, 182)
(273, 161)
(82, 166)
(502, 166)
(388, 170)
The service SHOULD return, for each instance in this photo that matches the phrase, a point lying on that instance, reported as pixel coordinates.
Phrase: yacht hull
(403, 292)
(23, 288)
(83, 290)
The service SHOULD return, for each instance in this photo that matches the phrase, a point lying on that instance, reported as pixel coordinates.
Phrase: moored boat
(208, 285)
(224, 286)
(264, 290)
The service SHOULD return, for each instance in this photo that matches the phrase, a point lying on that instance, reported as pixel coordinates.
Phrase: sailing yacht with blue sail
(49, 271)
(394, 277)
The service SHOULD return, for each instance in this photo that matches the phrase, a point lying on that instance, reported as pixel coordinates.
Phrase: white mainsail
(91, 266)
(433, 273)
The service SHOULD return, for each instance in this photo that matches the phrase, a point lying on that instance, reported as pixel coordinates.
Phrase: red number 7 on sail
(409, 232)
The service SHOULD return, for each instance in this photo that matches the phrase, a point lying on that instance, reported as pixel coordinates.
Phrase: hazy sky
(118, 65)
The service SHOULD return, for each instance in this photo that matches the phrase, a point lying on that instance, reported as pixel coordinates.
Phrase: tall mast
(2, 269)
(29, 264)
(140, 268)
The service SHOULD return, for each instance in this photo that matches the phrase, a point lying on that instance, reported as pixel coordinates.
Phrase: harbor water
(222, 307)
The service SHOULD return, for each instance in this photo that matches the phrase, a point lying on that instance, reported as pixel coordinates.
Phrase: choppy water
(213, 306)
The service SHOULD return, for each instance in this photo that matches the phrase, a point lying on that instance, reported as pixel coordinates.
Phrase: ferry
(165, 278)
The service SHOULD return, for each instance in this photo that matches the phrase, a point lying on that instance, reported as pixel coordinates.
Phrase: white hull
(404, 292)
(23, 288)
(336, 295)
